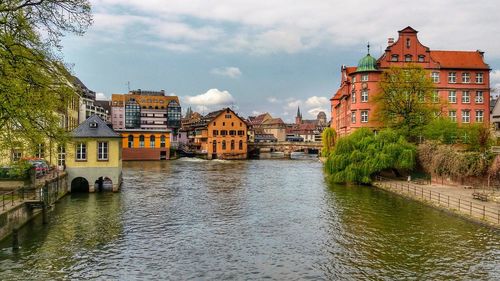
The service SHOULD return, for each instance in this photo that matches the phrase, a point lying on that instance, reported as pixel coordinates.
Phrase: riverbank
(452, 199)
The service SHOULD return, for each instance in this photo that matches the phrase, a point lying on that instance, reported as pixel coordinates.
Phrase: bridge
(286, 147)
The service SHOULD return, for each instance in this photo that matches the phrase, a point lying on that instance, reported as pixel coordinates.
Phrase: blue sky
(261, 56)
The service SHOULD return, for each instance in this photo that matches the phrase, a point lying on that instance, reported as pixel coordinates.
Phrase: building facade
(94, 157)
(145, 144)
(461, 80)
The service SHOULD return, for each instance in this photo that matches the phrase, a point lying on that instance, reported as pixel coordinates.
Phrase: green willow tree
(328, 140)
(34, 85)
(406, 101)
(361, 155)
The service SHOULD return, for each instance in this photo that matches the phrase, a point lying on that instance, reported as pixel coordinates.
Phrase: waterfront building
(307, 130)
(146, 110)
(94, 157)
(142, 144)
(265, 124)
(220, 134)
(461, 80)
(89, 105)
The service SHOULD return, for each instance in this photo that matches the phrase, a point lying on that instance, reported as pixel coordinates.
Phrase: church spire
(298, 112)
(368, 46)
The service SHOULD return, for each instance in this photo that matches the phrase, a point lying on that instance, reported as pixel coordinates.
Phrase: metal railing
(461, 205)
(20, 195)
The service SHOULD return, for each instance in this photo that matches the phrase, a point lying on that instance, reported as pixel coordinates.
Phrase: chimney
(390, 41)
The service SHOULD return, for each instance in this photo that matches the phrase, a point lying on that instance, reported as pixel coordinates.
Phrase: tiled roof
(274, 121)
(459, 59)
(94, 127)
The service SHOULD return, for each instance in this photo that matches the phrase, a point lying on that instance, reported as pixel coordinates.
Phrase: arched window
(214, 147)
(162, 141)
(223, 145)
(241, 145)
(130, 143)
(152, 140)
(141, 141)
(232, 144)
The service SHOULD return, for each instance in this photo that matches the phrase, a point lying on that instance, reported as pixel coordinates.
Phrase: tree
(358, 157)
(406, 100)
(328, 139)
(443, 130)
(34, 85)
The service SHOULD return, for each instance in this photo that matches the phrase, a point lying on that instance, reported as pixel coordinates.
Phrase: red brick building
(461, 79)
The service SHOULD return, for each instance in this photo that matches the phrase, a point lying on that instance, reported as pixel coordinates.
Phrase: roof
(259, 119)
(274, 121)
(368, 63)
(94, 127)
(460, 59)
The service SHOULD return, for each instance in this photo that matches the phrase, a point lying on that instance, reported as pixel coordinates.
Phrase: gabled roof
(459, 59)
(408, 29)
(273, 121)
(94, 127)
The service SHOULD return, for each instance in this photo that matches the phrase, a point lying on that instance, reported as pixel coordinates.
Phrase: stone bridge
(286, 147)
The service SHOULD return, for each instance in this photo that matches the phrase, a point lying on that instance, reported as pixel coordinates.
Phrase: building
(88, 104)
(461, 78)
(306, 130)
(94, 157)
(265, 124)
(145, 144)
(220, 134)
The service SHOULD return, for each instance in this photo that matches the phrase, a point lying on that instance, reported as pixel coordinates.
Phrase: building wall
(136, 152)
(227, 121)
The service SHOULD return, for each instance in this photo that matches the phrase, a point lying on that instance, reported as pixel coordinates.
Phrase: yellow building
(221, 135)
(94, 157)
(145, 144)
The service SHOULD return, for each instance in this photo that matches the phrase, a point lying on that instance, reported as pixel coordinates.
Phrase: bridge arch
(103, 184)
(79, 184)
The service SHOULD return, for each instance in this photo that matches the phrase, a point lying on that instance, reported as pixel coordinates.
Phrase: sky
(262, 56)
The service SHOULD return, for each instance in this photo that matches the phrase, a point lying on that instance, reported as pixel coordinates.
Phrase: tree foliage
(405, 103)
(34, 85)
(357, 157)
(328, 139)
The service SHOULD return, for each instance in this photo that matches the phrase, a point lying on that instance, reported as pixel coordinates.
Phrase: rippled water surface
(225, 220)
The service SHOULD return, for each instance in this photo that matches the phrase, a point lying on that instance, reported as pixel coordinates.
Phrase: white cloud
(316, 101)
(212, 97)
(495, 79)
(272, 100)
(255, 113)
(230, 71)
(101, 96)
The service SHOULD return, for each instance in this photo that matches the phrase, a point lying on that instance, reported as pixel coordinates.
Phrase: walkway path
(452, 198)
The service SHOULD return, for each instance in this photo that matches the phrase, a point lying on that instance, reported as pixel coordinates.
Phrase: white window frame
(452, 114)
(353, 117)
(364, 116)
(479, 97)
(452, 98)
(465, 97)
(102, 151)
(479, 116)
(435, 77)
(452, 77)
(364, 77)
(465, 77)
(364, 95)
(465, 116)
(435, 96)
(353, 97)
(479, 78)
(61, 155)
(81, 151)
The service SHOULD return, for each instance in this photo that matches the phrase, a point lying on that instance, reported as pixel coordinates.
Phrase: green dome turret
(368, 63)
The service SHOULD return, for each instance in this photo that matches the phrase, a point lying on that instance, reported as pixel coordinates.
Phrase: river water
(247, 220)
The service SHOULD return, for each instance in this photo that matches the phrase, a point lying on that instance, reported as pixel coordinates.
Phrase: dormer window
(408, 58)
(421, 58)
(394, 57)
(93, 125)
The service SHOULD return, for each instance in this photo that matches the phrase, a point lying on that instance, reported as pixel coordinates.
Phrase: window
(232, 132)
(152, 141)
(40, 151)
(354, 79)
(224, 144)
(215, 132)
(452, 114)
(479, 116)
(241, 133)
(232, 144)
(435, 77)
(466, 77)
(223, 123)
(394, 58)
(465, 97)
(81, 151)
(102, 150)
(214, 123)
(130, 141)
(364, 77)
(364, 116)
(452, 96)
(364, 95)
(408, 58)
(227, 116)
(435, 96)
(479, 78)
(452, 77)
(465, 116)
(479, 97)
(223, 133)
(421, 58)
(353, 97)
(17, 154)
(407, 42)
(141, 141)
(241, 145)
(61, 155)
(353, 117)
(162, 140)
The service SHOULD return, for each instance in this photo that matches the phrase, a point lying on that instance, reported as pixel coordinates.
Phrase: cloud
(212, 97)
(272, 100)
(101, 96)
(230, 71)
(315, 101)
(495, 79)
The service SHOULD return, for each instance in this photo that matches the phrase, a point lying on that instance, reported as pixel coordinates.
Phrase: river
(247, 220)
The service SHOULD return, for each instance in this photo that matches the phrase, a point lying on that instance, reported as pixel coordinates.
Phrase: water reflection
(278, 219)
